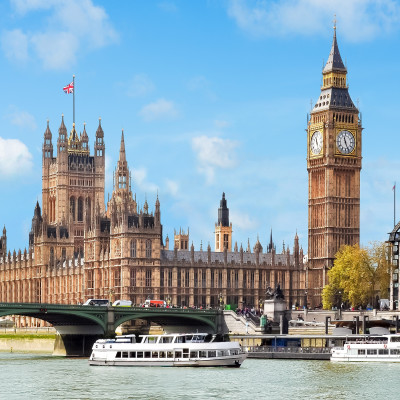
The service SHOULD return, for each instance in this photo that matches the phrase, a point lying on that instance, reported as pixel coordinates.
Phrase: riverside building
(82, 248)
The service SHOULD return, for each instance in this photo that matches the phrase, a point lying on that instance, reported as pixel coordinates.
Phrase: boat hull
(235, 361)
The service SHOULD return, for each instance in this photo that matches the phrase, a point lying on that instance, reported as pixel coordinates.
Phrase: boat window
(147, 354)
(152, 339)
(118, 354)
(154, 354)
(170, 354)
(185, 353)
(383, 352)
(203, 353)
(178, 354)
(132, 354)
(212, 353)
(167, 339)
(162, 354)
(124, 354)
(395, 351)
(139, 354)
(395, 339)
(371, 351)
(361, 351)
(180, 339)
(193, 354)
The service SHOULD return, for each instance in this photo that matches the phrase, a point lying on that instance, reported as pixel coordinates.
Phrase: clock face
(345, 142)
(316, 142)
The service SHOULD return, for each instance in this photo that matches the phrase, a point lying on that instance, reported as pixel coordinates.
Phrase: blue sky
(212, 97)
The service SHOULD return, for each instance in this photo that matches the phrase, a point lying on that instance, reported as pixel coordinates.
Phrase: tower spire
(122, 156)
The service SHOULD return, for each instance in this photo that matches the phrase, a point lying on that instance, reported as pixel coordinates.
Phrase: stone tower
(72, 182)
(223, 230)
(334, 165)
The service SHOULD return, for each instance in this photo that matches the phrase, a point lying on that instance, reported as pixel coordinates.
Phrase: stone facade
(80, 248)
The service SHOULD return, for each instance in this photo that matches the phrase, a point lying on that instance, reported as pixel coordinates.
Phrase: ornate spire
(334, 62)
(99, 131)
(122, 156)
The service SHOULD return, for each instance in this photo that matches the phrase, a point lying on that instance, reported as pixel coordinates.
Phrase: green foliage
(380, 259)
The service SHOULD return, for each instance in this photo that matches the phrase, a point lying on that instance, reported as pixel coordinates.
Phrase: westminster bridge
(79, 326)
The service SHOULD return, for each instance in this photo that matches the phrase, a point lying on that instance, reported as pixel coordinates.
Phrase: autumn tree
(351, 279)
(380, 261)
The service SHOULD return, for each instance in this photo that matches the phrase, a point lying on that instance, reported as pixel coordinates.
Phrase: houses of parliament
(82, 248)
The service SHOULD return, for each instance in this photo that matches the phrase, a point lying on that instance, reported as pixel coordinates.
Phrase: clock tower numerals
(345, 142)
(316, 143)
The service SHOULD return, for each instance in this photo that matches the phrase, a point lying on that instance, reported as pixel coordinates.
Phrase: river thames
(30, 376)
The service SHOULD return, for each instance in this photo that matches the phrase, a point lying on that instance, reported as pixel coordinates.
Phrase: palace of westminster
(80, 248)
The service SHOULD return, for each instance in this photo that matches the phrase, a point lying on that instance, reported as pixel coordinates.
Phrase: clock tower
(334, 165)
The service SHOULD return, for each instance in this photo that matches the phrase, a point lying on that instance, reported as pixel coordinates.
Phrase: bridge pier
(74, 345)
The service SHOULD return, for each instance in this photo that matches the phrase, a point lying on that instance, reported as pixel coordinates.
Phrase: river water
(42, 377)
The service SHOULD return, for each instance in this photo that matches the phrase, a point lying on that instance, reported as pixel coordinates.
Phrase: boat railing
(282, 349)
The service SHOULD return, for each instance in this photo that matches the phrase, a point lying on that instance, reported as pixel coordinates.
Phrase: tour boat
(383, 348)
(169, 350)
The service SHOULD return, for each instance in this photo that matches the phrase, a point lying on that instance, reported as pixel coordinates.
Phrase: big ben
(334, 164)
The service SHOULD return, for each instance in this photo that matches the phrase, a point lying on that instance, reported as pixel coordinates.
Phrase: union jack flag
(69, 88)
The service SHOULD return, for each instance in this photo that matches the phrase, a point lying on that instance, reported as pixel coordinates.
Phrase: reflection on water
(46, 377)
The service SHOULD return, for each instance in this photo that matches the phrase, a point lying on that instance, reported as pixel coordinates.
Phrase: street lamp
(305, 299)
(221, 301)
(168, 301)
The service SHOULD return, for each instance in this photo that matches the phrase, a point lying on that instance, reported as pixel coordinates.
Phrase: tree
(351, 279)
(380, 260)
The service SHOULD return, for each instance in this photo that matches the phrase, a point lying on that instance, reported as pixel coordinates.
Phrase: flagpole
(394, 204)
(73, 98)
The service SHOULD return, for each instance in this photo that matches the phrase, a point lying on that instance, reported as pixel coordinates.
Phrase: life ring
(385, 346)
(348, 346)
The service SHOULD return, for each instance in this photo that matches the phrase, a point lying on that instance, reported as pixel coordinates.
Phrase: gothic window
(122, 182)
(212, 278)
(252, 279)
(72, 207)
(170, 277)
(244, 280)
(117, 248)
(162, 277)
(64, 253)
(220, 279)
(196, 279)
(226, 241)
(133, 277)
(203, 279)
(117, 278)
(89, 209)
(133, 248)
(148, 248)
(187, 279)
(80, 209)
(90, 279)
(51, 256)
(99, 140)
(228, 278)
(148, 278)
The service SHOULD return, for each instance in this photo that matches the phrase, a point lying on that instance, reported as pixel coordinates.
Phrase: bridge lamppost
(221, 301)
(110, 295)
(168, 299)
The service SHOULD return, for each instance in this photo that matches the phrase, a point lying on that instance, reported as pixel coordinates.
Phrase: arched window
(148, 248)
(89, 209)
(51, 256)
(80, 209)
(133, 248)
(72, 207)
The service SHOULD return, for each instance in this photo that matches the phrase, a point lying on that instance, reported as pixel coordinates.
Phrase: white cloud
(139, 176)
(160, 109)
(15, 45)
(358, 20)
(140, 85)
(15, 158)
(212, 153)
(68, 26)
(21, 119)
(172, 187)
(243, 221)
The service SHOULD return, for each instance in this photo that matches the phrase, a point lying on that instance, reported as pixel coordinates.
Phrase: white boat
(383, 348)
(169, 350)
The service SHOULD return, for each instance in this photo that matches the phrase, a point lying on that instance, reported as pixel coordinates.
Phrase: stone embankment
(27, 341)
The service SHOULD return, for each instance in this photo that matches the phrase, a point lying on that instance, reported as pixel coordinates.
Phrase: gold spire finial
(334, 22)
